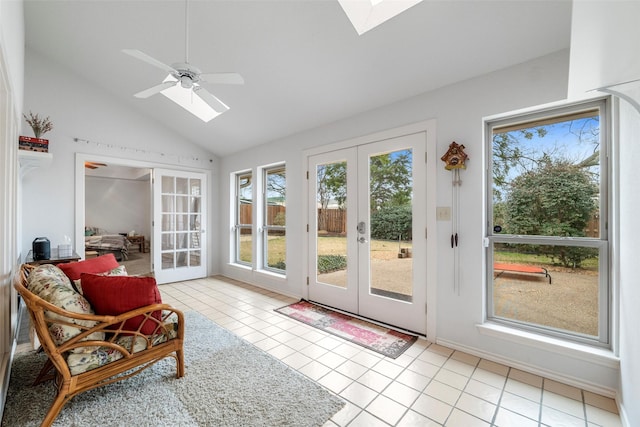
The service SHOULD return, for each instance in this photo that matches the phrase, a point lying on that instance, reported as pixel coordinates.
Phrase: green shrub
(391, 222)
(329, 263)
(280, 265)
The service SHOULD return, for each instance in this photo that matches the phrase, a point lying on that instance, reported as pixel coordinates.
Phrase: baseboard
(536, 370)
(624, 419)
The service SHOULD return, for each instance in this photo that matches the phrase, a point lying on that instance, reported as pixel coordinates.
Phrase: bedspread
(108, 243)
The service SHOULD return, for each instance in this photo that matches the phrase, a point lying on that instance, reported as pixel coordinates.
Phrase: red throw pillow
(100, 264)
(113, 295)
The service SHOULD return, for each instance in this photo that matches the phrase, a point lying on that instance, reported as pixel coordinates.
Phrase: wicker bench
(521, 268)
(103, 352)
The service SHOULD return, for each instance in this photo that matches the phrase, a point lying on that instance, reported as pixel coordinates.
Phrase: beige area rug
(228, 382)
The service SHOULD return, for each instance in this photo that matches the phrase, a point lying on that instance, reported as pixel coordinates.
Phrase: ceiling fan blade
(223, 78)
(89, 166)
(155, 89)
(213, 102)
(149, 60)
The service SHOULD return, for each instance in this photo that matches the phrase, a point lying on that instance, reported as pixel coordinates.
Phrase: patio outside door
(179, 239)
(367, 222)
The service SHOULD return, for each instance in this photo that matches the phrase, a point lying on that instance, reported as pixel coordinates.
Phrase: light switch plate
(443, 213)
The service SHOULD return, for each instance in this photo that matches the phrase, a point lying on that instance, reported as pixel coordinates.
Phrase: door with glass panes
(179, 221)
(367, 221)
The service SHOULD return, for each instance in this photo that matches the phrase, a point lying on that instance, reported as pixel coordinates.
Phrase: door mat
(380, 339)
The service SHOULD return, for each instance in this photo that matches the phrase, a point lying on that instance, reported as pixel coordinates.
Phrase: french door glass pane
(168, 184)
(168, 223)
(167, 242)
(332, 235)
(182, 185)
(168, 260)
(195, 186)
(194, 258)
(531, 286)
(390, 216)
(180, 221)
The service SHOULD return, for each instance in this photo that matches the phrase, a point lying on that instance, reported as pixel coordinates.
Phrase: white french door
(367, 222)
(179, 217)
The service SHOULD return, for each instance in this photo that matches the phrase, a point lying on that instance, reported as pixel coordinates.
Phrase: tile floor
(429, 385)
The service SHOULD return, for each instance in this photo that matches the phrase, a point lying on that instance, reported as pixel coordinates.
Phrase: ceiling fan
(189, 78)
(93, 165)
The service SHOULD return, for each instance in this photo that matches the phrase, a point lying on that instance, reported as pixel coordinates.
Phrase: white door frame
(429, 127)
(80, 195)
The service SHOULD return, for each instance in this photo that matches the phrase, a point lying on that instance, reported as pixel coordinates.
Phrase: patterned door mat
(383, 340)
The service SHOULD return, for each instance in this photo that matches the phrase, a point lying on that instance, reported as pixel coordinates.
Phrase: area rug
(228, 382)
(378, 338)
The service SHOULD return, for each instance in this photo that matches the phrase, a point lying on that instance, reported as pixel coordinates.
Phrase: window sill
(600, 356)
(272, 274)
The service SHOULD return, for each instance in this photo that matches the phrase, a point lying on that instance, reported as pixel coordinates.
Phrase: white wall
(118, 205)
(459, 110)
(79, 109)
(605, 41)
(629, 281)
(12, 41)
(11, 99)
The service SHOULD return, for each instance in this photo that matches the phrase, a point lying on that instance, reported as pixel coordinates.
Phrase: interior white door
(360, 267)
(179, 244)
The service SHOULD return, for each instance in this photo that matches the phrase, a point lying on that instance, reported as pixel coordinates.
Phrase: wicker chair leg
(55, 409)
(180, 363)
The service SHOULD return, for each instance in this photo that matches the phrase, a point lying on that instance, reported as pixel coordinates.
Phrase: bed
(104, 242)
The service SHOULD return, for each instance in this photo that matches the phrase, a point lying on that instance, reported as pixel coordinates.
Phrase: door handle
(362, 227)
(362, 240)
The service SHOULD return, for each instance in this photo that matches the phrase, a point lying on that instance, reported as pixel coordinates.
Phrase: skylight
(190, 101)
(367, 14)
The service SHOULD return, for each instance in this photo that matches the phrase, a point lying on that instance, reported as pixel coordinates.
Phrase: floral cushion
(83, 362)
(45, 276)
(52, 285)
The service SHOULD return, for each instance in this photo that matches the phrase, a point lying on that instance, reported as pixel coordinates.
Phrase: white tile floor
(429, 385)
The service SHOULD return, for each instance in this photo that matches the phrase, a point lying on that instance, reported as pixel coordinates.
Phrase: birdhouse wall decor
(455, 157)
(454, 160)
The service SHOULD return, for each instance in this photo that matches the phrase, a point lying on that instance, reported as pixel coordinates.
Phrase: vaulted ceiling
(303, 62)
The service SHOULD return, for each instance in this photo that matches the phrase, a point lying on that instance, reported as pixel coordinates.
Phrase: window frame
(264, 227)
(602, 242)
(238, 226)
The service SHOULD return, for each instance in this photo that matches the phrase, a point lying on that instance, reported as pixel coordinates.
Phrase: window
(274, 219)
(243, 218)
(547, 244)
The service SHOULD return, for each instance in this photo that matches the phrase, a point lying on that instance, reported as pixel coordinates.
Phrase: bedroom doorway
(117, 210)
(134, 205)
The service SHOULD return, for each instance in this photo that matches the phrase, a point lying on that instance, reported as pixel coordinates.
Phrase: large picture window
(547, 237)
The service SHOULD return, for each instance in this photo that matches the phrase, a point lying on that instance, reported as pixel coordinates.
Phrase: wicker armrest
(131, 351)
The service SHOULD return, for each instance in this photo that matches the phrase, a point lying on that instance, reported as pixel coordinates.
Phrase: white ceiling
(303, 63)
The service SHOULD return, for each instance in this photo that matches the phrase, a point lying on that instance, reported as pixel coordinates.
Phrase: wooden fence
(334, 221)
(246, 215)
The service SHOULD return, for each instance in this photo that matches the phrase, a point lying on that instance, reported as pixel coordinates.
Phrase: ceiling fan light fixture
(188, 99)
(186, 82)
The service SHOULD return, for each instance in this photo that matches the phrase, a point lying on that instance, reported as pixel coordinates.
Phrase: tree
(508, 153)
(556, 199)
(390, 179)
(331, 185)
